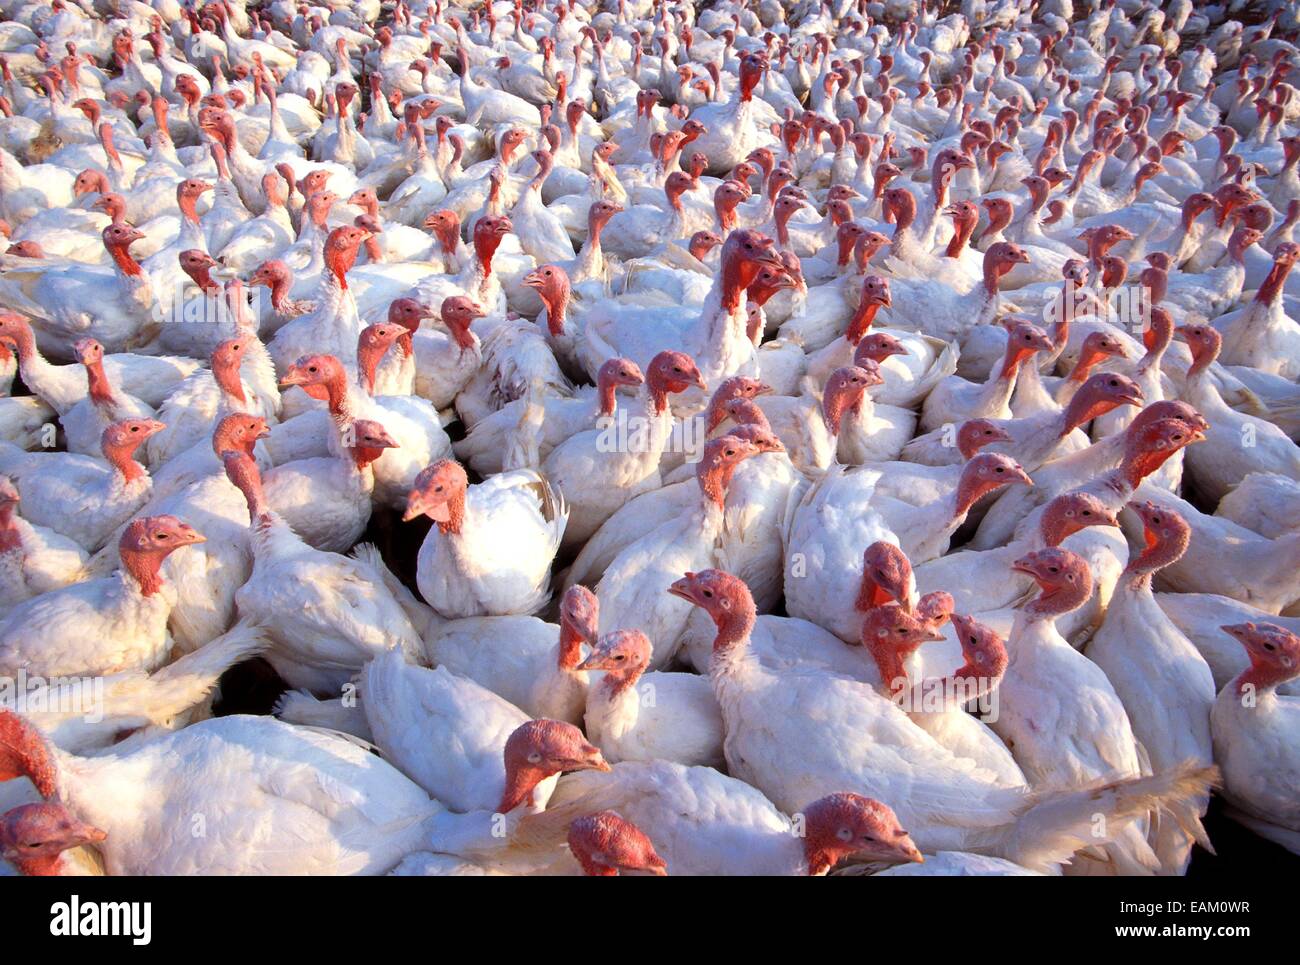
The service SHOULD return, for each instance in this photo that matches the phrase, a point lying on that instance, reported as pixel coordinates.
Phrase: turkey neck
(280, 300)
(557, 304)
(862, 321)
(713, 483)
(44, 866)
(1271, 287)
(368, 359)
(891, 662)
(731, 642)
(335, 298)
(521, 781)
(618, 683)
(187, 203)
(478, 272)
(125, 263)
(1200, 390)
(650, 432)
(227, 378)
(591, 259)
(38, 374)
(606, 393)
(835, 407)
(997, 392)
(1081, 409)
(544, 168)
(1154, 558)
(121, 458)
(1055, 602)
(145, 569)
(10, 538)
(1261, 681)
(340, 397)
(100, 389)
(570, 646)
(24, 752)
(202, 276)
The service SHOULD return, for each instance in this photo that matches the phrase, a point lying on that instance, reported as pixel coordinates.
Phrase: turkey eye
(1269, 647)
(1086, 512)
(1000, 469)
(973, 641)
(1053, 569)
(162, 536)
(708, 594)
(619, 656)
(437, 489)
(135, 428)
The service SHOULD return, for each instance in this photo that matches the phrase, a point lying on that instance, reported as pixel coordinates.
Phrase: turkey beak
(82, 834)
(189, 535)
(763, 389)
(596, 661)
(153, 427)
(1019, 475)
(295, 376)
(417, 505)
(1025, 565)
(591, 760)
(1133, 396)
(907, 850)
(684, 590)
(533, 279)
(414, 507)
(699, 381)
(383, 440)
(94, 835)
